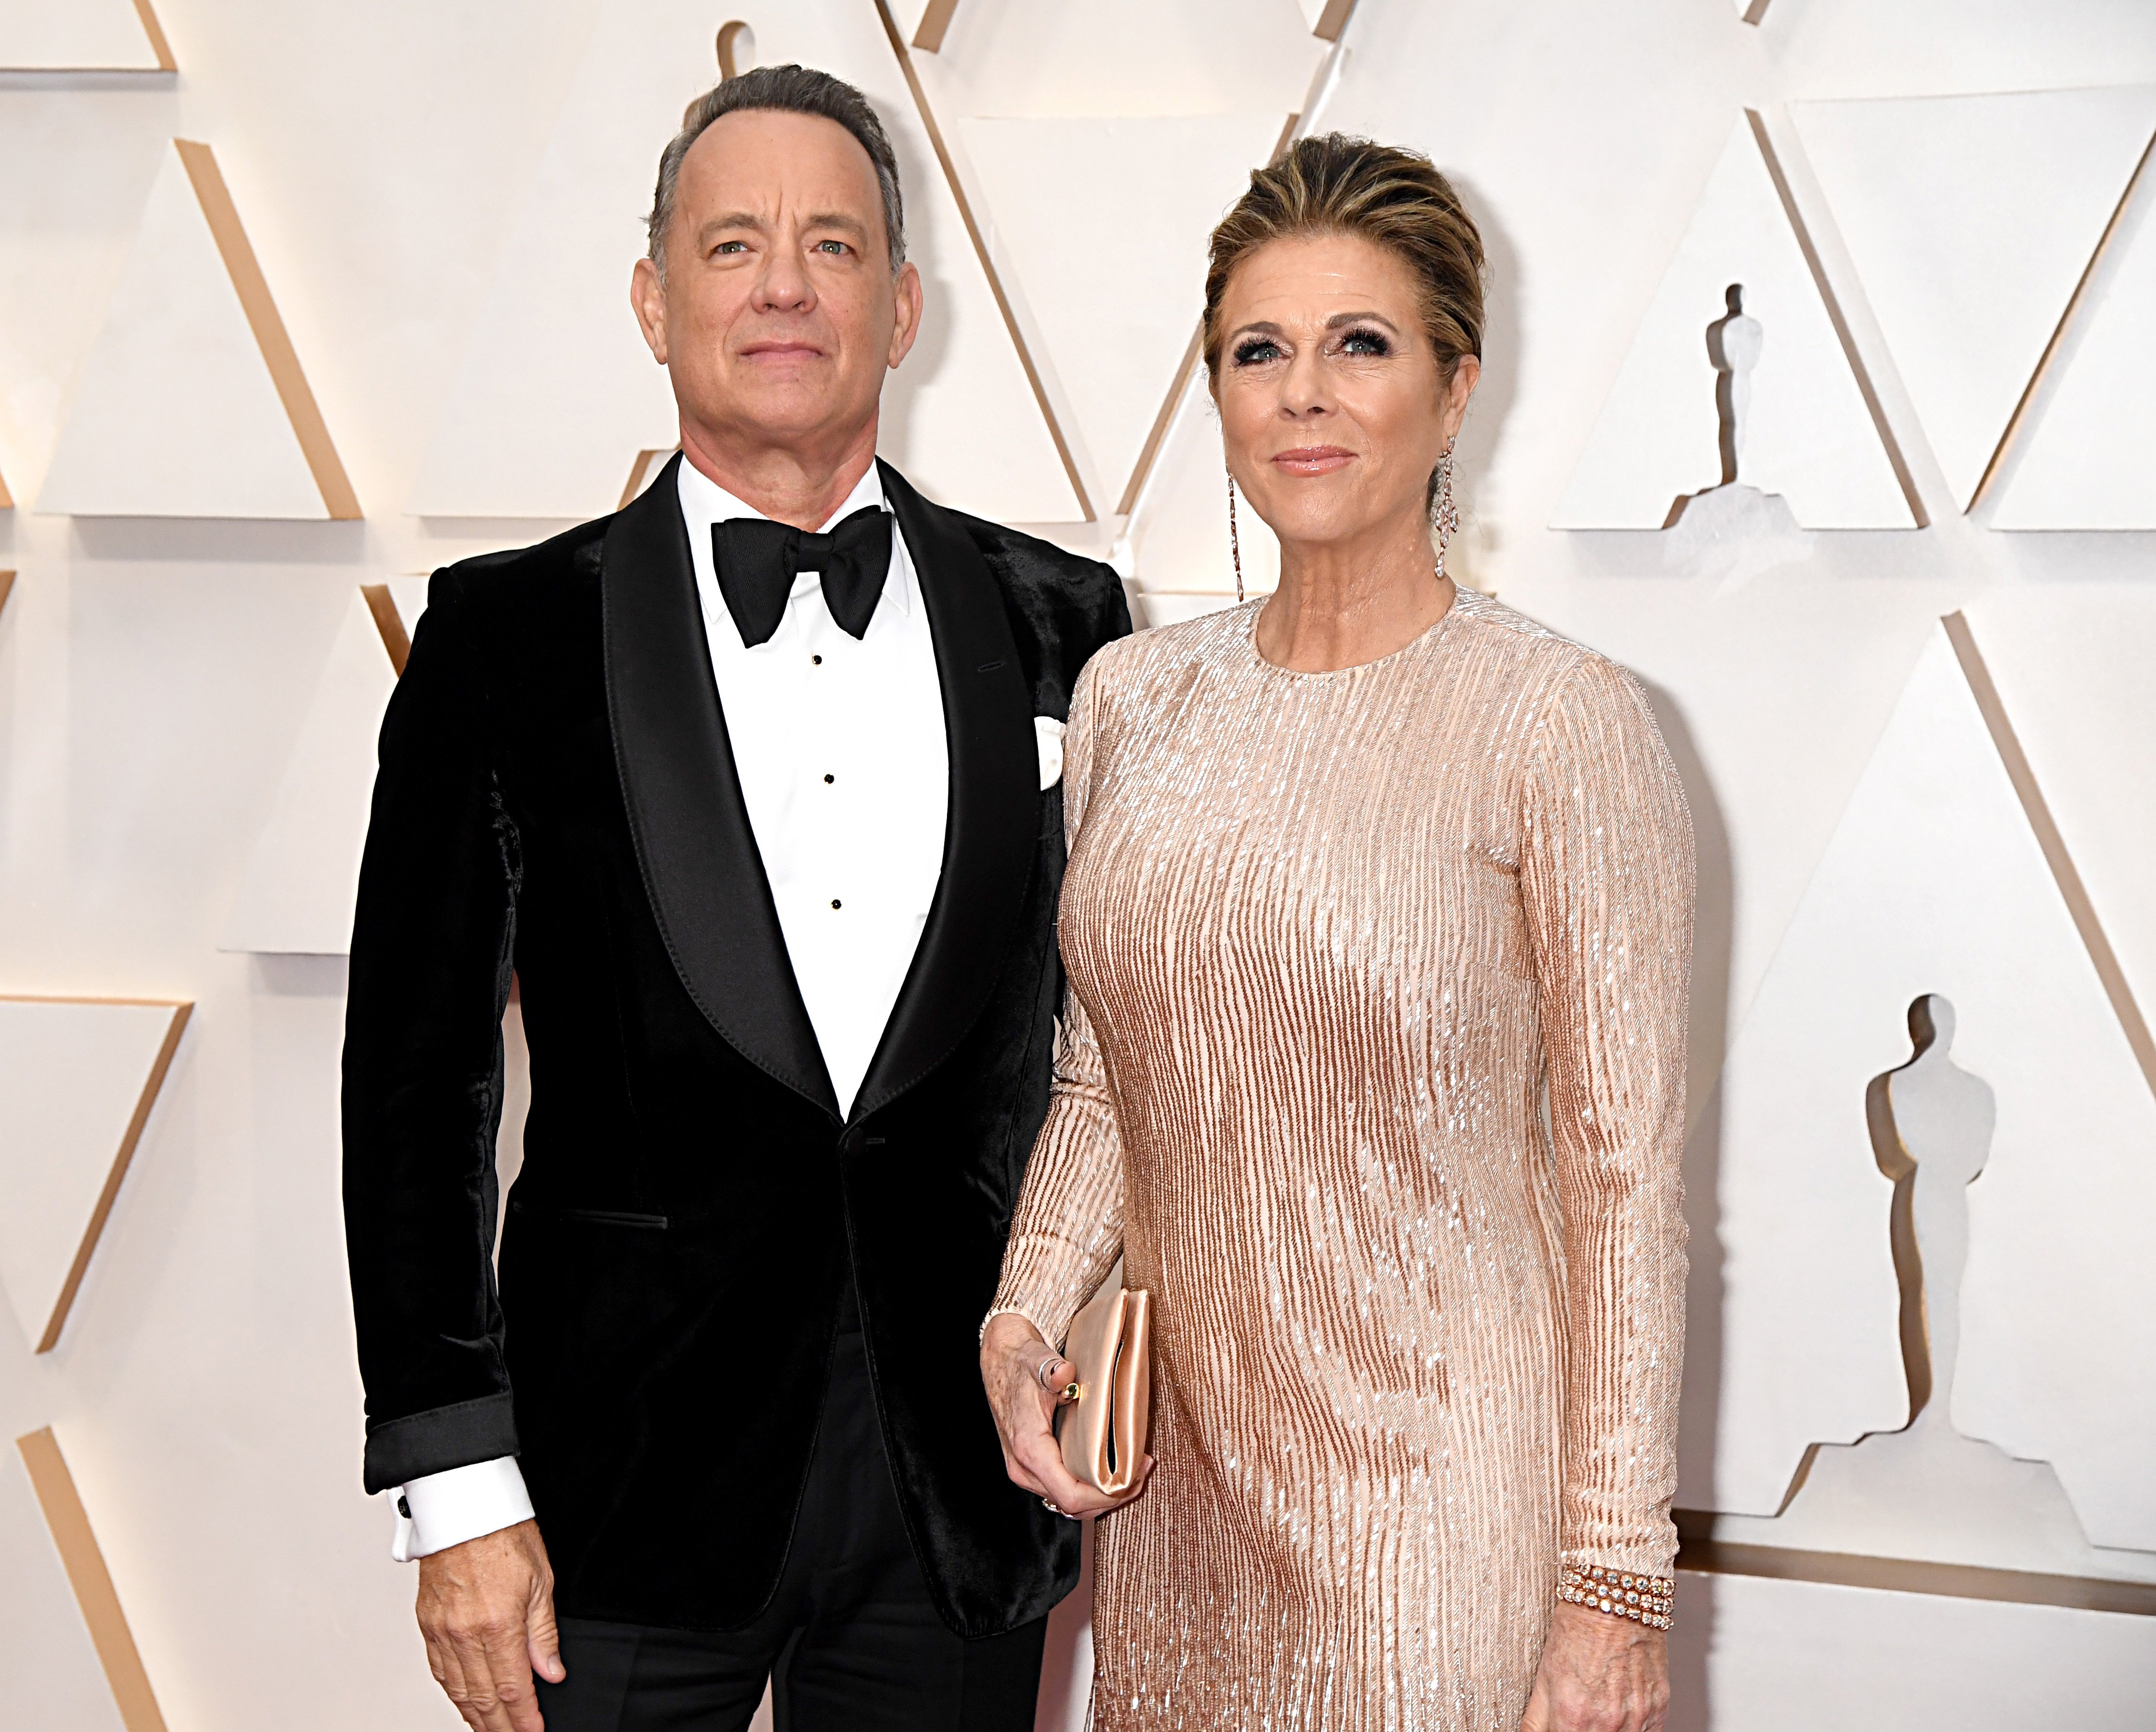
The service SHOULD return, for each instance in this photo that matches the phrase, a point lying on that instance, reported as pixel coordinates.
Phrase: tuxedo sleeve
(432, 952)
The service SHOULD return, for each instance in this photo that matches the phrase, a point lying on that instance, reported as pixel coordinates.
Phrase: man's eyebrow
(837, 219)
(731, 219)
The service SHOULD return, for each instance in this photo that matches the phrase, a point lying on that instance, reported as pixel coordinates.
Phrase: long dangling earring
(1444, 513)
(1234, 541)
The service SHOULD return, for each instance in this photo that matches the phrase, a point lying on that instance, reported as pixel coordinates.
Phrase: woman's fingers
(1026, 1378)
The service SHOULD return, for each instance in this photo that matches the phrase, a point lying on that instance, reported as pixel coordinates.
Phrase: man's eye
(732, 246)
(1365, 342)
(1253, 350)
(834, 248)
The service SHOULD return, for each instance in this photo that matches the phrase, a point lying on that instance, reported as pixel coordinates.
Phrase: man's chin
(781, 407)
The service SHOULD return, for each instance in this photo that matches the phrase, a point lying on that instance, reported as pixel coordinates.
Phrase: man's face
(779, 315)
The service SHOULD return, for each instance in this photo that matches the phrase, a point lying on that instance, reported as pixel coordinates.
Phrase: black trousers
(849, 1640)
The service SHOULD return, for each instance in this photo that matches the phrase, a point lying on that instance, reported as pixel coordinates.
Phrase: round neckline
(1427, 636)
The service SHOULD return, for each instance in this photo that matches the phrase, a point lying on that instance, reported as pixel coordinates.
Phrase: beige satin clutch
(1103, 1433)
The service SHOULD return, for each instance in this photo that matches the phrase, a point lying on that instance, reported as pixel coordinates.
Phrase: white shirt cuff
(461, 1504)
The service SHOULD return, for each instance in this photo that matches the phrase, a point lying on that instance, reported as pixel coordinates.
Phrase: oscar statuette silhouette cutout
(1732, 530)
(1928, 1492)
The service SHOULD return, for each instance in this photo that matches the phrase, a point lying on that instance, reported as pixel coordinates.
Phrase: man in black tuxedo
(752, 786)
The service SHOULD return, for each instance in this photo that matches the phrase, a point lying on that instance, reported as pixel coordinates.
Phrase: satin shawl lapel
(990, 836)
(693, 844)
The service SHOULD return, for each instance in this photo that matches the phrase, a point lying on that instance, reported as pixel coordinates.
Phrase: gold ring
(1074, 1392)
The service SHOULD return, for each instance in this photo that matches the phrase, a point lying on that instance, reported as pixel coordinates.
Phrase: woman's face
(1333, 405)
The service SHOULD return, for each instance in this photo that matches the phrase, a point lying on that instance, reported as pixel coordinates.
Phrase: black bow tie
(758, 561)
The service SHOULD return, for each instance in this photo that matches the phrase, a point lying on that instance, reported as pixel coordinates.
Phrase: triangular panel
(1115, 320)
(303, 877)
(558, 394)
(2071, 670)
(67, 1524)
(191, 403)
(1970, 219)
(82, 36)
(1808, 435)
(46, 1653)
(2084, 464)
(1933, 882)
(1181, 554)
(78, 1077)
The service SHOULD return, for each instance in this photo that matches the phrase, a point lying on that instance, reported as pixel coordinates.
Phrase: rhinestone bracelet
(1648, 1598)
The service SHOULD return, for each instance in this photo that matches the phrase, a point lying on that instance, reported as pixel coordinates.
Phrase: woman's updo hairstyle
(1332, 184)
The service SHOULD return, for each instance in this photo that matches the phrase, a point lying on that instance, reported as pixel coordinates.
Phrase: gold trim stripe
(935, 21)
(1802, 230)
(389, 622)
(282, 360)
(2013, 422)
(1700, 1557)
(987, 265)
(1149, 452)
(181, 1010)
(156, 31)
(94, 1592)
(2038, 811)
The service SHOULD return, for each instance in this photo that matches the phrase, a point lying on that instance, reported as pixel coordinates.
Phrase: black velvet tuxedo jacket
(558, 797)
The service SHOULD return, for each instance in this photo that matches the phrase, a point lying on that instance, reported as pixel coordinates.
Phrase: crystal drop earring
(1234, 541)
(1444, 513)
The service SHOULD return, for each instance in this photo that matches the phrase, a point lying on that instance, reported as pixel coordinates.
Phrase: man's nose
(784, 285)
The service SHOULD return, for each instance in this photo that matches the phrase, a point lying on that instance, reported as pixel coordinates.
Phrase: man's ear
(906, 327)
(647, 300)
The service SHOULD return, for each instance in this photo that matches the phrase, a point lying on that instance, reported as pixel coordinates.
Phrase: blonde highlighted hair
(1333, 184)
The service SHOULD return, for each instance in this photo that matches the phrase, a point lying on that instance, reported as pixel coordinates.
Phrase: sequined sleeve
(1606, 877)
(1069, 1228)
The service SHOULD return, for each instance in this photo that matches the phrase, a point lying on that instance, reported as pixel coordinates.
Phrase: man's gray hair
(783, 90)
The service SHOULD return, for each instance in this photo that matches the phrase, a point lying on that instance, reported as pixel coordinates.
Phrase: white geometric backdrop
(1941, 212)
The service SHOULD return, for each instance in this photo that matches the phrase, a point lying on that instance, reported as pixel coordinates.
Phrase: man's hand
(1599, 1673)
(1012, 1355)
(486, 1609)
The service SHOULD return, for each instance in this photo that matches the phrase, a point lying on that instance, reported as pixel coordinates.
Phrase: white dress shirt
(839, 742)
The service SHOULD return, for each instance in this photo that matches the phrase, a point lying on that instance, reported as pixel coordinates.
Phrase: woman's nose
(1303, 389)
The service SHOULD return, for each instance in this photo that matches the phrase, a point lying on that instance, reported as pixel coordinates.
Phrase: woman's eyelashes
(1362, 342)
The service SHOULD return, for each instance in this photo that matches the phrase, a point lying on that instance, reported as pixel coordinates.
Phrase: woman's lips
(1314, 460)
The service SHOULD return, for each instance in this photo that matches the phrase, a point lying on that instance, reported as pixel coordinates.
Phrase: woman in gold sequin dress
(1355, 872)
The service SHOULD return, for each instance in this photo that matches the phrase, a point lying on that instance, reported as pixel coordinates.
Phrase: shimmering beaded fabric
(1416, 1356)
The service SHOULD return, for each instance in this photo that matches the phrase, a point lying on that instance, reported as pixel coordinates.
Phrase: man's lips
(1313, 460)
(781, 351)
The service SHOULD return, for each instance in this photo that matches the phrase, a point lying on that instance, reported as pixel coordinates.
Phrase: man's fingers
(543, 1639)
(509, 1668)
(482, 1704)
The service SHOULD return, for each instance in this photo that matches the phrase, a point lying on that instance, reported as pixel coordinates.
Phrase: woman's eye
(1252, 350)
(1365, 342)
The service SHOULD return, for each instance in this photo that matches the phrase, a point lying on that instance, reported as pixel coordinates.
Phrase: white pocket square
(1048, 736)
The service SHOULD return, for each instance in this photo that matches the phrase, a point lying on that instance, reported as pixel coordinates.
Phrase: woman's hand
(1024, 1397)
(1599, 1673)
